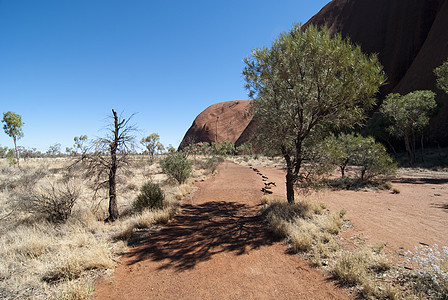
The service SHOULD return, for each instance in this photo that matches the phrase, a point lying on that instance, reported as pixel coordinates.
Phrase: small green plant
(151, 196)
(177, 166)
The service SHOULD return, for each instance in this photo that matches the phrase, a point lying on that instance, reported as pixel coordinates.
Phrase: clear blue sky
(65, 64)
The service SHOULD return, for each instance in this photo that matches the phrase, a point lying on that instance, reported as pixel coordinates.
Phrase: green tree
(79, 144)
(13, 128)
(371, 156)
(54, 150)
(171, 149)
(226, 148)
(308, 81)
(3, 151)
(442, 76)
(177, 166)
(409, 115)
(152, 144)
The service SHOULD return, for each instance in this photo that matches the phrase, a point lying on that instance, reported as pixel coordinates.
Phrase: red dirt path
(217, 248)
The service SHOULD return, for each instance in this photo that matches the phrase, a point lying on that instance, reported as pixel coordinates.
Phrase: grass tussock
(46, 257)
(311, 230)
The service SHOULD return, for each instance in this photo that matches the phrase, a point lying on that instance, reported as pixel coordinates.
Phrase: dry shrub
(360, 268)
(79, 289)
(71, 265)
(54, 201)
(305, 224)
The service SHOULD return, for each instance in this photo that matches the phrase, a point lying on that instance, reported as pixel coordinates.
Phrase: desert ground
(218, 247)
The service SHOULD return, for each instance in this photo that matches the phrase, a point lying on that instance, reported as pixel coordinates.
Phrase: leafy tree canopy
(442, 76)
(308, 81)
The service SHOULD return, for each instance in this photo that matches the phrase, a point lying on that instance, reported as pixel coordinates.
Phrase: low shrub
(54, 201)
(151, 196)
(432, 270)
(177, 166)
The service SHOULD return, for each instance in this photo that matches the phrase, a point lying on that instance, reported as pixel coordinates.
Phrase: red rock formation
(410, 37)
(229, 119)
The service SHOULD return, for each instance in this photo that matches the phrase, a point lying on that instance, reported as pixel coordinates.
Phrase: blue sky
(65, 64)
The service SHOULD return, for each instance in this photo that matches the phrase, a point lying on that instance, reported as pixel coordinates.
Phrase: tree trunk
(342, 171)
(113, 207)
(290, 180)
(423, 150)
(17, 151)
(408, 149)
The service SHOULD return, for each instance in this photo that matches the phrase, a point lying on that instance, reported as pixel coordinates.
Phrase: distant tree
(308, 81)
(79, 145)
(409, 115)
(13, 128)
(244, 149)
(171, 149)
(109, 155)
(54, 150)
(226, 148)
(3, 151)
(442, 76)
(152, 144)
(371, 156)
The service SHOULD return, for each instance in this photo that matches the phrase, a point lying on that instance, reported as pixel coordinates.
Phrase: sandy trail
(217, 248)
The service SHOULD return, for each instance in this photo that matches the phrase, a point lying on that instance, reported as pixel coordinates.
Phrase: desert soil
(217, 248)
(417, 215)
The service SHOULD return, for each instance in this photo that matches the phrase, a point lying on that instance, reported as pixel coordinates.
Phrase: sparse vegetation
(177, 166)
(431, 270)
(151, 196)
(54, 201)
(42, 257)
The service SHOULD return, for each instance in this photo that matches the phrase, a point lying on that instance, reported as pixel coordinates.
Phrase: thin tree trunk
(423, 151)
(17, 152)
(113, 207)
(408, 150)
(342, 171)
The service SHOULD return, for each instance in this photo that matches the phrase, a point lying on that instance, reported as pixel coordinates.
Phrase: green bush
(361, 151)
(177, 166)
(151, 196)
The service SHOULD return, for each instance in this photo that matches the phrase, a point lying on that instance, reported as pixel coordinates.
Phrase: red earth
(217, 248)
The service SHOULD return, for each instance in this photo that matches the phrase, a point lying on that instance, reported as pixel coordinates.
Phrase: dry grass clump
(360, 268)
(312, 231)
(306, 225)
(42, 257)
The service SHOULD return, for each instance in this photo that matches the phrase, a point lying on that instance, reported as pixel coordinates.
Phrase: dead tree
(110, 155)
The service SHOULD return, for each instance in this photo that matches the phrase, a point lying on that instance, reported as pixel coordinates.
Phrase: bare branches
(108, 155)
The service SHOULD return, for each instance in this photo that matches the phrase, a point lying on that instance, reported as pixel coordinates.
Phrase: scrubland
(315, 232)
(41, 258)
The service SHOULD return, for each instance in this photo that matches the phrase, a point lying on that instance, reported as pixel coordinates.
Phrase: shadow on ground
(202, 231)
(421, 180)
(443, 206)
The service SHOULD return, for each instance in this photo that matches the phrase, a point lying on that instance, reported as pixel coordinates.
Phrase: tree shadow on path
(202, 231)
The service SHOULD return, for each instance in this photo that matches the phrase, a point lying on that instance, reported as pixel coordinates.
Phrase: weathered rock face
(223, 121)
(410, 37)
